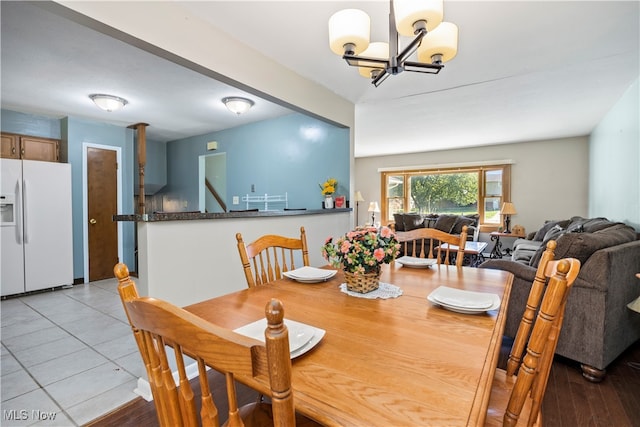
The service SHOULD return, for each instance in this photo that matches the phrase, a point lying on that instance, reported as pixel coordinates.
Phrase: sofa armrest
(521, 271)
(473, 233)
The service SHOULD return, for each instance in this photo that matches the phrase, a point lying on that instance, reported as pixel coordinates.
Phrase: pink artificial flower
(385, 232)
(379, 254)
(329, 239)
(345, 247)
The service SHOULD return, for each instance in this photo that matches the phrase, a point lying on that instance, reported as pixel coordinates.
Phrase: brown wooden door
(102, 180)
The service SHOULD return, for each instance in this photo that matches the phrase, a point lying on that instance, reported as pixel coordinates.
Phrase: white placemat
(384, 291)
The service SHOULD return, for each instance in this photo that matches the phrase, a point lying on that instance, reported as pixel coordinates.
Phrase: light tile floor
(68, 356)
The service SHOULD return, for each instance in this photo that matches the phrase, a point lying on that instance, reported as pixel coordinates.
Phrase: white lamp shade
(349, 26)
(108, 102)
(359, 197)
(375, 50)
(373, 207)
(238, 105)
(409, 11)
(443, 40)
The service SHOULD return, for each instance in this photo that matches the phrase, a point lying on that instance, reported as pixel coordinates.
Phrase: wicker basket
(362, 283)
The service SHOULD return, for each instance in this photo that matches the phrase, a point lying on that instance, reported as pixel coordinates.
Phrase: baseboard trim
(143, 389)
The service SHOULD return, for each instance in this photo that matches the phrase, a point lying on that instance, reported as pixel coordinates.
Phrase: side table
(473, 249)
(497, 252)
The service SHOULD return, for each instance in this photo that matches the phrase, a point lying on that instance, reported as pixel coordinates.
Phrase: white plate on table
(414, 262)
(461, 301)
(302, 337)
(308, 274)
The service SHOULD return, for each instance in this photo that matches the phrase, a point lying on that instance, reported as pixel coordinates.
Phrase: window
(460, 191)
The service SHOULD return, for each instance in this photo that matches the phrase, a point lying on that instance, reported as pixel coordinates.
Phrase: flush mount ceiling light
(238, 105)
(108, 102)
(435, 41)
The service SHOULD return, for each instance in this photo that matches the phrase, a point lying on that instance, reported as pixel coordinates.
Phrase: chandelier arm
(382, 76)
(412, 47)
(365, 61)
(422, 67)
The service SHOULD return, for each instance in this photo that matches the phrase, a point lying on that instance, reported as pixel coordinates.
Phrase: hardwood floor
(140, 413)
(570, 400)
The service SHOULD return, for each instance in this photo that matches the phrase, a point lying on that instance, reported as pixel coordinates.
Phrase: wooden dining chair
(512, 396)
(161, 329)
(422, 242)
(271, 255)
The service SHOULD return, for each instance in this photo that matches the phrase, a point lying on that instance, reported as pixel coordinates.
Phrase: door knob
(92, 221)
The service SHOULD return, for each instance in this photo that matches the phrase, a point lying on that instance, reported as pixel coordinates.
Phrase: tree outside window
(460, 191)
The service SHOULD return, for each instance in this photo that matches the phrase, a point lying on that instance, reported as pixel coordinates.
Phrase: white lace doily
(384, 291)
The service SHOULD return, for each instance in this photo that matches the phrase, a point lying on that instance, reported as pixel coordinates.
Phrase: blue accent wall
(292, 154)
(30, 124)
(76, 133)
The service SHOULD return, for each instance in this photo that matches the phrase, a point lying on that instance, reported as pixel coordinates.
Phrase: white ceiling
(525, 70)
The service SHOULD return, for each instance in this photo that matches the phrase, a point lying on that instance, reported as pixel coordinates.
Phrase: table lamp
(507, 210)
(373, 208)
(359, 199)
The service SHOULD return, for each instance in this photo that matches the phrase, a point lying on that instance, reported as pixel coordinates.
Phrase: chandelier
(435, 41)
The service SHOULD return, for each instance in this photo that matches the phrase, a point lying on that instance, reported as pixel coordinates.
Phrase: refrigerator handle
(18, 211)
(25, 211)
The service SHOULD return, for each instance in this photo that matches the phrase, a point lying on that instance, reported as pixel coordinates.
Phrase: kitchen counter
(186, 257)
(196, 215)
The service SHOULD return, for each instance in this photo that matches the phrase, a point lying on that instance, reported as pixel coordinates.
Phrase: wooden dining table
(384, 362)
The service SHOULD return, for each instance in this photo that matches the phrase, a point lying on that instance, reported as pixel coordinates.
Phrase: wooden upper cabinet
(30, 148)
(10, 148)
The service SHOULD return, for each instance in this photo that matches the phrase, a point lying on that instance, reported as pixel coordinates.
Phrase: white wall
(614, 179)
(549, 179)
(189, 261)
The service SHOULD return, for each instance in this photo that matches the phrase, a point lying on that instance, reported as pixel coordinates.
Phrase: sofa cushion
(460, 222)
(553, 234)
(583, 245)
(398, 218)
(446, 222)
(539, 236)
(412, 221)
(430, 220)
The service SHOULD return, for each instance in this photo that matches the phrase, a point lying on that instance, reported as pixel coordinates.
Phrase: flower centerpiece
(360, 253)
(327, 189)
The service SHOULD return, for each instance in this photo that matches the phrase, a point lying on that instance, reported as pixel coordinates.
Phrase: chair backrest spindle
(271, 255)
(415, 243)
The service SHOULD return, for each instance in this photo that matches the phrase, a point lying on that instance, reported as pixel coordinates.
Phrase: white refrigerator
(35, 225)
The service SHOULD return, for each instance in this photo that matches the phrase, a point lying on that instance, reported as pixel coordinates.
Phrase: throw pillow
(583, 245)
(539, 236)
(445, 223)
(553, 234)
(430, 220)
(399, 221)
(412, 221)
(460, 222)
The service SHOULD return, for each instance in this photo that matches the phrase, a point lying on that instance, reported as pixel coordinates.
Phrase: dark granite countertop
(182, 216)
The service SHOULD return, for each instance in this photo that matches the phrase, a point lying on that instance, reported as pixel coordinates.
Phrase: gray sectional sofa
(598, 326)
